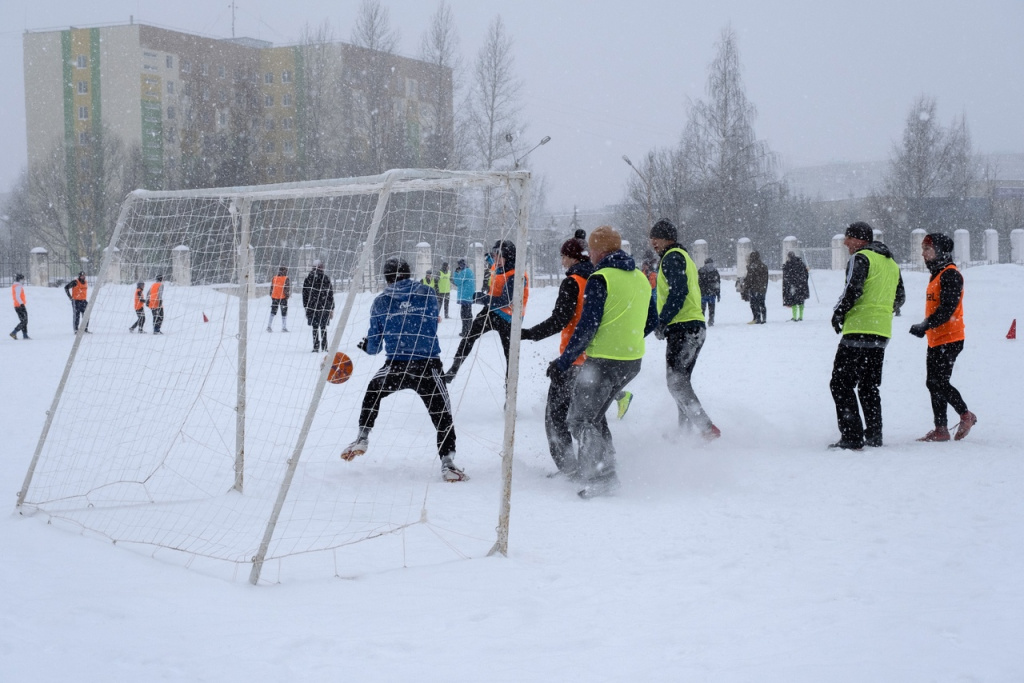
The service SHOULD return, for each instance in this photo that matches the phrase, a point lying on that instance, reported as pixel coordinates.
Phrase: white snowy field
(759, 557)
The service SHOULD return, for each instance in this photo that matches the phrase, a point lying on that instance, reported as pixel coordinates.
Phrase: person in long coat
(794, 285)
(755, 286)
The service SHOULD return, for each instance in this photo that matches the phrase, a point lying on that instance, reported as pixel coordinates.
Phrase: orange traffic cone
(205, 319)
(1012, 334)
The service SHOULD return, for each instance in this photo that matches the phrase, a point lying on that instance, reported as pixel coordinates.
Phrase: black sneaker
(873, 441)
(846, 445)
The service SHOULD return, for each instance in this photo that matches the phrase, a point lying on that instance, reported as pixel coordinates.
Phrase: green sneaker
(623, 403)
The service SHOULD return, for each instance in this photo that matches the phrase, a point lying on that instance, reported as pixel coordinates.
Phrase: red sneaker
(967, 420)
(937, 434)
(712, 433)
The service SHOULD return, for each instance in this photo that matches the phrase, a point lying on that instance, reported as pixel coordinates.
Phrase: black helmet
(395, 269)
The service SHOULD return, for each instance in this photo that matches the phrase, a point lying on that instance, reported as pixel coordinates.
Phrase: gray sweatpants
(683, 347)
(599, 380)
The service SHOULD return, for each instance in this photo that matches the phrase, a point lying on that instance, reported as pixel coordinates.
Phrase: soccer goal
(218, 441)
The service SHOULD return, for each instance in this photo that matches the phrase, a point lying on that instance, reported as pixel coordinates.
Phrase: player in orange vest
(78, 291)
(139, 301)
(944, 327)
(280, 290)
(156, 303)
(497, 312)
(18, 295)
(564, 317)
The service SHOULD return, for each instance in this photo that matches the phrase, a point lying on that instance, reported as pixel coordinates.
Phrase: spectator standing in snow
(465, 287)
(794, 285)
(618, 311)
(444, 287)
(20, 309)
(497, 312)
(156, 303)
(710, 284)
(563, 319)
(944, 327)
(318, 300)
(139, 303)
(403, 320)
(681, 323)
(280, 290)
(78, 292)
(874, 289)
(756, 285)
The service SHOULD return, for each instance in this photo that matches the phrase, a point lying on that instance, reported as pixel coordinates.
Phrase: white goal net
(216, 443)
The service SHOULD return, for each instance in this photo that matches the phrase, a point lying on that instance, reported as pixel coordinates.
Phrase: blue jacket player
(403, 321)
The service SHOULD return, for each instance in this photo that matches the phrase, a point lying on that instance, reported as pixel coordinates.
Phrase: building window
(83, 138)
(82, 62)
(222, 119)
(271, 171)
(204, 69)
(188, 88)
(268, 77)
(170, 87)
(268, 147)
(83, 164)
(221, 71)
(411, 88)
(83, 113)
(83, 87)
(286, 100)
(286, 76)
(169, 60)
(186, 66)
(269, 101)
(171, 113)
(171, 135)
(286, 124)
(269, 123)
(289, 147)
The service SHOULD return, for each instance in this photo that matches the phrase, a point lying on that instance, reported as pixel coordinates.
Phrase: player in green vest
(681, 323)
(444, 286)
(874, 290)
(618, 312)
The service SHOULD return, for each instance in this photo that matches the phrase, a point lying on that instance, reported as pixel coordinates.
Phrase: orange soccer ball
(341, 369)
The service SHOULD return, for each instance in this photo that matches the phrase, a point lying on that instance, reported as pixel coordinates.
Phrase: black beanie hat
(664, 230)
(580, 234)
(860, 231)
(507, 249)
(942, 243)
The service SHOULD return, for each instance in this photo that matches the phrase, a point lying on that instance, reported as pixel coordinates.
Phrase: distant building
(175, 95)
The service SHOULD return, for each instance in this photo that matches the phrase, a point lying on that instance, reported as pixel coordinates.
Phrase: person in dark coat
(710, 283)
(755, 286)
(794, 285)
(318, 300)
(563, 319)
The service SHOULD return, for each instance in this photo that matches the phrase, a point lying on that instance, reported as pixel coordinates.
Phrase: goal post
(218, 440)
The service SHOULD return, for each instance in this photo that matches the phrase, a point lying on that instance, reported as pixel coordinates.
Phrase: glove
(837, 322)
(553, 370)
(526, 335)
(918, 330)
(362, 344)
(659, 331)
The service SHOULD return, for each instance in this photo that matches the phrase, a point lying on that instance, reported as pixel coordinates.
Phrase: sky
(832, 81)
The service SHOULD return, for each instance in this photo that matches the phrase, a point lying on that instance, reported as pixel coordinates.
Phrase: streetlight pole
(647, 185)
(509, 138)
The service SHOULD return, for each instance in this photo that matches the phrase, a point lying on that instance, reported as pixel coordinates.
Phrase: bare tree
(726, 166)
(493, 103)
(372, 76)
(321, 136)
(932, 172)
(440, 49)
(69, 203)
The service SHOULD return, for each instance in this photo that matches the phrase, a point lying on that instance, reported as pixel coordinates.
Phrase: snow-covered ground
(759, 557)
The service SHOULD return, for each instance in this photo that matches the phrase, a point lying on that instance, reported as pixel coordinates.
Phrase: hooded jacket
(596, 294)
(403, 320)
